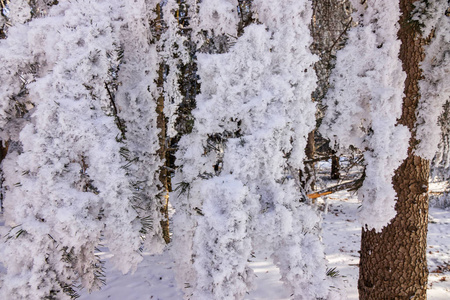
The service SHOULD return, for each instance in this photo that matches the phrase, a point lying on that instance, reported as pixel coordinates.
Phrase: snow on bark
(66, 190)
(251, 124)
(213, 17)
(173, 53)
(364, 102)
(435, 87)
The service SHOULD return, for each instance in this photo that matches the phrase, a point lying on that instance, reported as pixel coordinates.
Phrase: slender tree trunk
(335, 167)
(393, 263)
(3, 152)
(309, 177)
(162, 152)
(163, 174)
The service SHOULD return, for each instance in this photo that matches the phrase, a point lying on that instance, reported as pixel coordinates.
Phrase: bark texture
(393, 263)
(162, 152)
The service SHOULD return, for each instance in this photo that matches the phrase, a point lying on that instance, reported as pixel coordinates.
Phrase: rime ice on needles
(251, 122)
(66, 190)
(173, 53)
(219, 16)
(364, 102)
(435, 87)
(136, 101)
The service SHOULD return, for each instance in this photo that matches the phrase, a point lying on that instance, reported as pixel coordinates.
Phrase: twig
(321, 158)
(342, 33)
(352, 185)
(116, 115)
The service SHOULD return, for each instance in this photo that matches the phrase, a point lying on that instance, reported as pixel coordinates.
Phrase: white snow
(364, 103)
(154, 278)
(435, 85)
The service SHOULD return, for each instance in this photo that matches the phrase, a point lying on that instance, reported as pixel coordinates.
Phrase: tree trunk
(393, 263)
(335, 167)
(162, 152)
(3, 152)
(308, 178)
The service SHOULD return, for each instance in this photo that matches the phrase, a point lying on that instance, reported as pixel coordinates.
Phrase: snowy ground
(341, 234)
(154, 278)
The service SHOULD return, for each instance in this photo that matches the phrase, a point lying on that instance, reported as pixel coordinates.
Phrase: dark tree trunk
(162, 152)
(308, 178)
(335, 167)
(393, 263)
(3, 152)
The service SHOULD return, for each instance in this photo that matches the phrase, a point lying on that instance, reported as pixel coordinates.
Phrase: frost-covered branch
(253, 116)
(364, 103)
(66, 188)
(435, 85)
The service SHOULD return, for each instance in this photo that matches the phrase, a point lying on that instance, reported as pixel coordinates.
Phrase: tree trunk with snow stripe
(393, 262)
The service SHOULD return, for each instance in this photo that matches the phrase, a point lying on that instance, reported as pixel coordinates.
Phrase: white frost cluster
(256, 99)
(173, 52)
(66, 190)
(428, 14)
(19, 11)
(215, 17)
(435, 87)
(136, 103)
(219, 16)
(364, 102)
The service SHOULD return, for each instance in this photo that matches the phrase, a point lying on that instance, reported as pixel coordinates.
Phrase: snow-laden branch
(252, 119)
(66, 188)
(435, 85)
(364, 103)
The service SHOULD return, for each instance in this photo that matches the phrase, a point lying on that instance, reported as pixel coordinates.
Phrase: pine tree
(393, 262)
(66, 188)
(238, 185)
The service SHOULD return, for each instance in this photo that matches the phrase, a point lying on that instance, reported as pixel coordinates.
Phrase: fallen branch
(352, 185)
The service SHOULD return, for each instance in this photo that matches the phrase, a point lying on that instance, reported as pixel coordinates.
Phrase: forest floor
(154, 278)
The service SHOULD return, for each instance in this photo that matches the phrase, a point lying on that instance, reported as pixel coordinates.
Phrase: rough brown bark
(393, 263)
(162, 152)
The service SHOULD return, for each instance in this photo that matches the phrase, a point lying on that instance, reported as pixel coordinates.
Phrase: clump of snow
(219, 16)
(364, 103)
(251, 122)
(19, 11)
(136, 100)
(427, 13)
(173, 52)
(66, 188)
(435, 85)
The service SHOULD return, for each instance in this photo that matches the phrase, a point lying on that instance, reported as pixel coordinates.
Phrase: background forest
(205, 137)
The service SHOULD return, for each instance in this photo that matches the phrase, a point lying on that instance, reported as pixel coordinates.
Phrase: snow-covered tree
(374, 107)
(66, 187)
(364, 102)
(136, 100)
(435, 86)
(237, 183)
